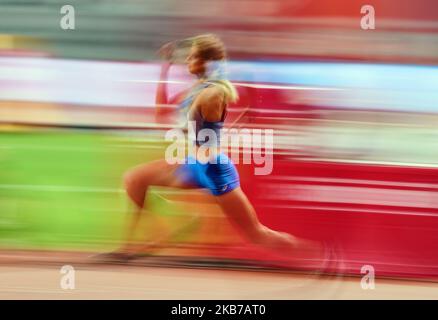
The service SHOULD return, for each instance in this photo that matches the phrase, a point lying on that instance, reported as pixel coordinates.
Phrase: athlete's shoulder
(211, 102)
(212, 91)
(211, 96)
(224, 90)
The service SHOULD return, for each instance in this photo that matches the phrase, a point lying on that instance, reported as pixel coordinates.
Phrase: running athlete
(205, 105)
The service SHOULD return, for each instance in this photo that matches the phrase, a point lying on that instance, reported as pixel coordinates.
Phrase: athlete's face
(195, 63)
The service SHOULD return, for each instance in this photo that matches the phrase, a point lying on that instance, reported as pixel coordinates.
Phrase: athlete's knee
(130, 179)
(135, 186)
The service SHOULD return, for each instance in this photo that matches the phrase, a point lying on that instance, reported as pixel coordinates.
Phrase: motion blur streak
(354, 114)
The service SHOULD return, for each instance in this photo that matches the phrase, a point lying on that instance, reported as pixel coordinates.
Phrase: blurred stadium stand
(134, 29)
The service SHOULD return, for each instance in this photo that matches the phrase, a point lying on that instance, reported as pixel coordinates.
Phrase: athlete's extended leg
(241, 213)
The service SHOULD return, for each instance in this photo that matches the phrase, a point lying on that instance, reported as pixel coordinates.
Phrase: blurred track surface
(122, 282)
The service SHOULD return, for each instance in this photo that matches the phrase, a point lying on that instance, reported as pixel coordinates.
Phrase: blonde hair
(211, 48)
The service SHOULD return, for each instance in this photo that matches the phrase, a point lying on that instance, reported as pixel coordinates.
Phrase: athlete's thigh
(157, 173)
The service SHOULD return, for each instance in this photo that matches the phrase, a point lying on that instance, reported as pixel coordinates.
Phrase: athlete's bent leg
(137, 182)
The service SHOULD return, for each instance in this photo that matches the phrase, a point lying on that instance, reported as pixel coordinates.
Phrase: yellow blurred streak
(29, 112)
(7, 41)
(14, 41)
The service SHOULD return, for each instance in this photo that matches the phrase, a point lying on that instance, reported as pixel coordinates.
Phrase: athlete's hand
(167, 51)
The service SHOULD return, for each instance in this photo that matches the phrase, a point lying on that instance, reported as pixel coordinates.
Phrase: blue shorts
(220, 177)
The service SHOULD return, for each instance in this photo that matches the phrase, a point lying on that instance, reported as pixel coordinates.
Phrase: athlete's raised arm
(162, 100)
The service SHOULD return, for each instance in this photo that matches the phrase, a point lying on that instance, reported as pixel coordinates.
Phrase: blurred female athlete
(205, 105)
